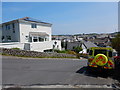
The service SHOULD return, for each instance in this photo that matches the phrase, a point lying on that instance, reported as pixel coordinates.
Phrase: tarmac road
(27, 71)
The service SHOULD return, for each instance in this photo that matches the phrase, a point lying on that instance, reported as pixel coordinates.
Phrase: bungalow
(27, 34)
(83, 44)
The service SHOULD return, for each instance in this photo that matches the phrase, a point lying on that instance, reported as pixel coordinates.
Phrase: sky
(67, 17)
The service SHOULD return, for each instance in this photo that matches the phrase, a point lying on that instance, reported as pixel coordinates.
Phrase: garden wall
(24, 53)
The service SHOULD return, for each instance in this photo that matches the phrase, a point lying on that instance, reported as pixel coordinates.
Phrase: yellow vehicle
(101, 57)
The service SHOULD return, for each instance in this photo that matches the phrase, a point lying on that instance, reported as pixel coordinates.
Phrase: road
(27, 71)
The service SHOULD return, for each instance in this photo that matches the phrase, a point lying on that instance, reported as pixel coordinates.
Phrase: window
(13, 31)
(87, 50)
(13, 27)
(8, 27)
(46, 38)
(33, 25)
(8, 38)
(110, 53)
(115, 54)
(41, 39)
(90, 52)
(35, 39)
(2, 27)
(3, 38)
(100, 52)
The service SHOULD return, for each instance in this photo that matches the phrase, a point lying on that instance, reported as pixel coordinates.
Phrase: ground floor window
(38, 39)
(35, 39)
(8, 38)
(47, 38)
(3, 38)
(41, 39)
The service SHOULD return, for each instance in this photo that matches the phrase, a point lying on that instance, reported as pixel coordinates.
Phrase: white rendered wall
(25, 28)
(39, 46)
(12, 45)
(84, 49)
(14, 36)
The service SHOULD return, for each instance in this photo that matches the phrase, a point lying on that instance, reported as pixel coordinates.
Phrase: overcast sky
(67, 17)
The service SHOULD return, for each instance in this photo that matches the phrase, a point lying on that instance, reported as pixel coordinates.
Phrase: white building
(27, 33)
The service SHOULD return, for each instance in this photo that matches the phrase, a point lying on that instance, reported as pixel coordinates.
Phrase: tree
(116, 43)
(77, 49)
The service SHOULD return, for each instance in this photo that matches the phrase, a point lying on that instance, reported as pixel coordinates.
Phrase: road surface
(28, 71)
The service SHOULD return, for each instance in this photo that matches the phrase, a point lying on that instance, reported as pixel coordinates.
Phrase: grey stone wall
(24, 53)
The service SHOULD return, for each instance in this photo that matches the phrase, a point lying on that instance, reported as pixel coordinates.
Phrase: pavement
(18, 71)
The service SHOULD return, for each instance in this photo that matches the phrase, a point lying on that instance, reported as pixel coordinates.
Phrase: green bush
(16, 48)
(71, 52)
(65, 51)
(116, 43)
(62, 51)
(77, 49)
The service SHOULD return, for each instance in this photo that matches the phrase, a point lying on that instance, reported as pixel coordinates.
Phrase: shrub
(78, 55)
(116, 43)
(16, 48)
(63, 51)
(71, 52)
(77, 49)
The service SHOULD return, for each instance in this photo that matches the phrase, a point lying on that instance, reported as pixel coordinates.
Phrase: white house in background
(27, 34)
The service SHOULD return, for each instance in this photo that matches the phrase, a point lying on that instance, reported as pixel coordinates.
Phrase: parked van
(101, 57)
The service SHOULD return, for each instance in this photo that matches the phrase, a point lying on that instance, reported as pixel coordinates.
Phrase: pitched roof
(28, 19)
(32, 20)
(100, 40)
(89, 44)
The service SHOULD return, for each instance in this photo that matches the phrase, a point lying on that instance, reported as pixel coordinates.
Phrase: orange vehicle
(101, 57)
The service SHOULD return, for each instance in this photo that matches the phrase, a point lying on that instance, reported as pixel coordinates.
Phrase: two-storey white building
(28, 34)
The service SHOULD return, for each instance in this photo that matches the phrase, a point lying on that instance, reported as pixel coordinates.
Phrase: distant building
(84, 44)
(27, 33)
(101, 42)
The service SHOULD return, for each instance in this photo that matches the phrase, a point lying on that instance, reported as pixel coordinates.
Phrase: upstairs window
(33, 25)
(8, 27)
(13, 25)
